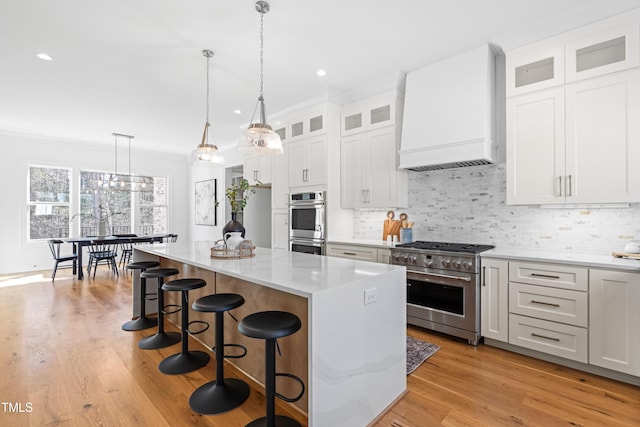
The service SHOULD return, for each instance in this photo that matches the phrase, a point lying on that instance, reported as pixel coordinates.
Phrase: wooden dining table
(80, 242)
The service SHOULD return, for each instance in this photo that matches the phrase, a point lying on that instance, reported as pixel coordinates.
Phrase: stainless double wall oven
(307, 222)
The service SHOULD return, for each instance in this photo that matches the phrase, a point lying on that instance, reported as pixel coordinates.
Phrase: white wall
(467, 205)
(19, 150)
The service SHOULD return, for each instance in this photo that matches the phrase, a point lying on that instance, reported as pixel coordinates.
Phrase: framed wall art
(206, 197)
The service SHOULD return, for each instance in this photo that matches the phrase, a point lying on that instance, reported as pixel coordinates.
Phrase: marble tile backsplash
(468, 205)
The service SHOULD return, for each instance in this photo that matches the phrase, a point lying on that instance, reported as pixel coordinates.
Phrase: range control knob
(457, 263)
(467, 265)
(446, 262)
(428, 263)
(413, 259)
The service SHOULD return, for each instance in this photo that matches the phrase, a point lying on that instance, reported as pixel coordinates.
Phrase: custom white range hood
(449, 113)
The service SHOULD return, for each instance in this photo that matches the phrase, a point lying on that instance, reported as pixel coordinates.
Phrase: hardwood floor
(66, 361)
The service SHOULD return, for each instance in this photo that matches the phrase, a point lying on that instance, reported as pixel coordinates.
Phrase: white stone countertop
(587, 260)
(382, 244)
(293, 272)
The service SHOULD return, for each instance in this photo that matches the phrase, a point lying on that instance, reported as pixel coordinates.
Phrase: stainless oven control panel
(417, 260)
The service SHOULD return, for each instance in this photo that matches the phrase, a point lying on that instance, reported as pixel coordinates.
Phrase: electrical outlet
(370, 296)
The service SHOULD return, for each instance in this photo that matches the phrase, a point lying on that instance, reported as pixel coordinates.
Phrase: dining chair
(54, 246)
(126, 249)
(105, 252)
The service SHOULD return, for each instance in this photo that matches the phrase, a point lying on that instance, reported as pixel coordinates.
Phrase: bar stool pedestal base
(213, 398)
(281, 421)
(139, 324)
(157, 341)
(182, 363)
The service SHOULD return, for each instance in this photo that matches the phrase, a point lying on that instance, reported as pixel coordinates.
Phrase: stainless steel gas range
(443, 286)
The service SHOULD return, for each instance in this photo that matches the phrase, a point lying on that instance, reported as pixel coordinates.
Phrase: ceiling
(135, 67)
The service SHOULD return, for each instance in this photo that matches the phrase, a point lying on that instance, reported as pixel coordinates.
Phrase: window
(121, 204)
(48, 202)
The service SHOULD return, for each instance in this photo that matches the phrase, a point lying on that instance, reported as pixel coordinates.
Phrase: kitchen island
(351, 350)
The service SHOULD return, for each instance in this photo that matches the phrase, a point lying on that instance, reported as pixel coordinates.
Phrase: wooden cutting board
(625, 255)
(391, 228)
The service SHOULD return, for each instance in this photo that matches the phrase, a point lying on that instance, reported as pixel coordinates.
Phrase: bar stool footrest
(201, 322)
(233, 356)
(295, 378)
(151, 296)
(175, 310)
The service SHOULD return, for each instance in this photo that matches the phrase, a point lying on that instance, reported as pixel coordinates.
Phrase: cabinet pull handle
(350, 253)
(362, 198)
(568, 183)
(546, 276)
(559, 186)
(545, 337)
(484, 276)
(545, 303)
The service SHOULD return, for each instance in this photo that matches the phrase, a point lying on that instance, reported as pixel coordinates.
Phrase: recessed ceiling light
(237, 111)
(44, 56)
(321, 73)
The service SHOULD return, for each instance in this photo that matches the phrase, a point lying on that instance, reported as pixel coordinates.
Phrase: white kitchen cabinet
(307, 162)
(371, 113)
(257, 169)
(308, 124)
(548, 306)
(280, 227)
(577, 56)
(602, 160)
(614, 335)
(359, 252)
(384, 256)
(557, 339)
(370, 176)
(528, 70)
(579, 143)
(604, 52)
(280, 180)
(535, 147)
(494, 299)
(572, 103)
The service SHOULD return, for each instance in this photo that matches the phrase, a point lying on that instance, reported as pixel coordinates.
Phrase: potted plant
(238, 194)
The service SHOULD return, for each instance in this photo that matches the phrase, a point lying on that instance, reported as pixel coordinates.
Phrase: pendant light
(260, 138)
(206, 152)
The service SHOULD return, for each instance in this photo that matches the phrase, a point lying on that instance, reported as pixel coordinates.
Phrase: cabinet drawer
(557, 305)
(553, 338)
(353, 252)
(553, 275)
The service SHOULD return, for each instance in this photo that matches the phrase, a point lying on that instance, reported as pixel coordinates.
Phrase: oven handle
(419, 276)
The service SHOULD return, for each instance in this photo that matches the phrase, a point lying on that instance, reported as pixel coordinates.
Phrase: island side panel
(358, 350)
(294, 359)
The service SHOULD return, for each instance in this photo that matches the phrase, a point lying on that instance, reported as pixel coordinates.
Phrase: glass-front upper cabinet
(603, 53)
(534, 70)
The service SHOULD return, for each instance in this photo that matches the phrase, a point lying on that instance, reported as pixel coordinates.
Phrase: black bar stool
(185, 361)
(142, 322)
(269, 326)
(161, 338)
(223, 394)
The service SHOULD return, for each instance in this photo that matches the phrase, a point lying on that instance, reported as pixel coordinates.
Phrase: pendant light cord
(207, 90)
(261, 52)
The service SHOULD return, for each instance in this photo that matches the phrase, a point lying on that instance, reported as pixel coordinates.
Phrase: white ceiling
(135, 67)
